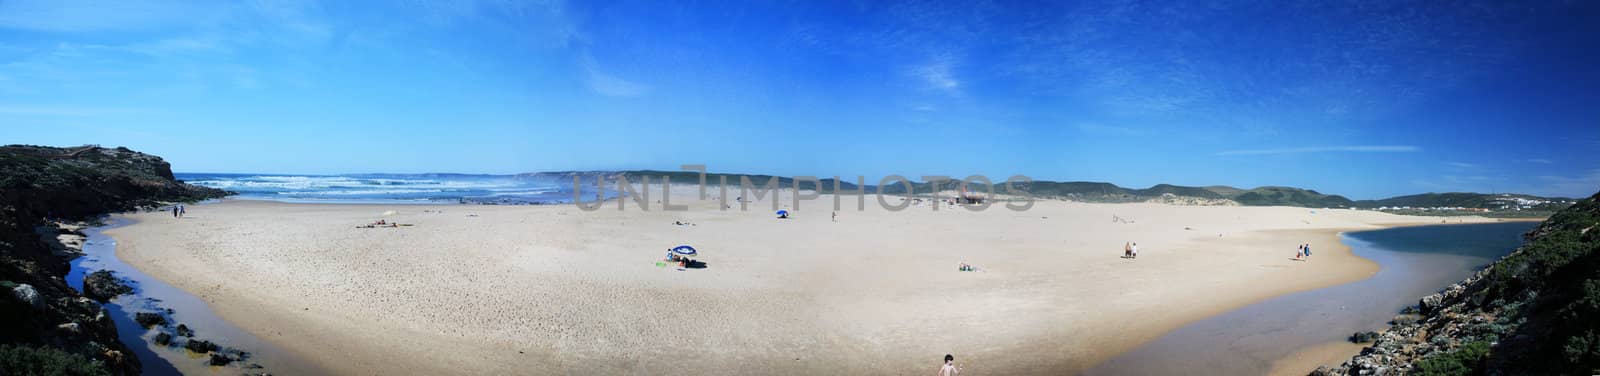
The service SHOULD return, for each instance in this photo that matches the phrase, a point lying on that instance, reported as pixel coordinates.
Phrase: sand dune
(552, 289)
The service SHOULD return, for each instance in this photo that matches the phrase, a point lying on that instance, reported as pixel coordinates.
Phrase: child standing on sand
(949, 368)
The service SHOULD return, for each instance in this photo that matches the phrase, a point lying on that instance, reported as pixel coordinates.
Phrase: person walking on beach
(174, 211)
(1127, 250)
(182, 211)
(835, 216)
(1300, 252)
(1134, 250)
(949, 368)
(1308, 250)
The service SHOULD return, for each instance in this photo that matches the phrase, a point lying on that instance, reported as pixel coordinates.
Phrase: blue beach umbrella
(783, 213)
(685, 250)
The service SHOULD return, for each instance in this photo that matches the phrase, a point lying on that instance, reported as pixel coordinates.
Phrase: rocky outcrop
(103, 286)
(1534, 312)
(28, 295)
(45, 194)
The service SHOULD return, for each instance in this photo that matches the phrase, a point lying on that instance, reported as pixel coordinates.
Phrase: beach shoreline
(1026, 314)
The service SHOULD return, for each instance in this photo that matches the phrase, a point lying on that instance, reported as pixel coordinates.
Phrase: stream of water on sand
(1415, 261)
(153, 295)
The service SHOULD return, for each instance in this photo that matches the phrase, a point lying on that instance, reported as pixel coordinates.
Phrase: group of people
(1303, 253)
(1130, 250)
(177, 211)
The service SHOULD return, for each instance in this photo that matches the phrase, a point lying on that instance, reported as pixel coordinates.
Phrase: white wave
(355, 192)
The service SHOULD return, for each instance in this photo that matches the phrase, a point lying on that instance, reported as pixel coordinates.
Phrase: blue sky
(1365, 99)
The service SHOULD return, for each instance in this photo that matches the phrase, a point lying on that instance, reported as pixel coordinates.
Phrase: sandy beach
(471, 289)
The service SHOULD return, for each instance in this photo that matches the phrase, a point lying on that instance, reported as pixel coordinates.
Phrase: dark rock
(184, 331)
(200, 346)
(1364, 337)
(163, 339)
(1404, 320)
(220, 360)
(103, 286)
(149, 319)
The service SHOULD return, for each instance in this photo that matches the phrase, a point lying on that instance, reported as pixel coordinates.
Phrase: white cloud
(1327, 149)
(1461, 165)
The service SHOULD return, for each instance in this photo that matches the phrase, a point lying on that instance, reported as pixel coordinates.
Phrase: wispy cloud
(938, 75)
(88, 16)
(1540, 161)
(1581, 185)
(610, 85)
(1461, 165)
(67, 111)
(1102, 129)
(1327, 149)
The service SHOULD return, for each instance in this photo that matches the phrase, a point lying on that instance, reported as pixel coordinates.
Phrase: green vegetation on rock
(1535, 311)
(45, 361)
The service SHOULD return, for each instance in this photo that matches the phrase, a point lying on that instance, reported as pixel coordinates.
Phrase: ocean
(395, 188)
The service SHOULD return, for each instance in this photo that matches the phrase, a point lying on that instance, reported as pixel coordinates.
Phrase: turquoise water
(1415, 261)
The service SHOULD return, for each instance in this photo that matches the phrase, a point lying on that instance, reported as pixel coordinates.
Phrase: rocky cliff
(1534, 312)
(45, 325)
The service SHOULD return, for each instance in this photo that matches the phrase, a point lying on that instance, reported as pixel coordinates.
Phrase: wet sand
(552, 289)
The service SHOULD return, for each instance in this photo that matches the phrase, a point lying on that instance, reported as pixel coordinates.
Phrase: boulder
(184, 331)
(70, 328)
(220, 360)
(200, 346)
(103, 286)
(27, 294)
(163, 339)
(149, 319)
(1364, 337)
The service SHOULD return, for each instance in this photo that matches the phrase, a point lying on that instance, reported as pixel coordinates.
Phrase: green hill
(1289, 196)
(1111, 193)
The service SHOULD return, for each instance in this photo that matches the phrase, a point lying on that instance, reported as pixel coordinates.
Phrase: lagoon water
(1415, 261)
